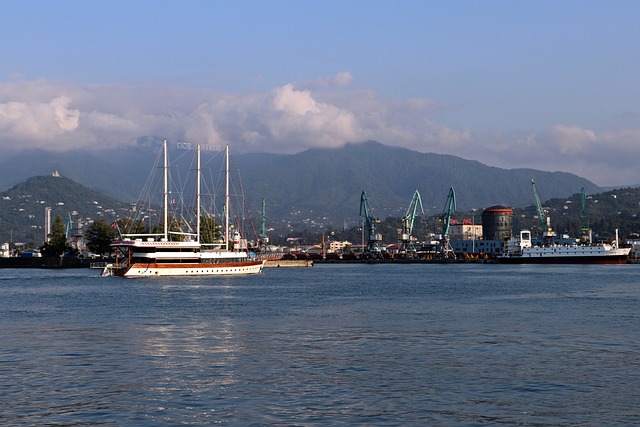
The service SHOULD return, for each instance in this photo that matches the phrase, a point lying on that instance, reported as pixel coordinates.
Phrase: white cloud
(338, 80)
(292, 118)
(108, 122)
(606, 158)
(286, 119)
(67, 119)
(572, 140)
(200, 127)
(293, 102)
(342, 79)
(37, 123)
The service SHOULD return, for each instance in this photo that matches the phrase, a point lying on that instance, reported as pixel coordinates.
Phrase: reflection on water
(195, 362)
(332, 345)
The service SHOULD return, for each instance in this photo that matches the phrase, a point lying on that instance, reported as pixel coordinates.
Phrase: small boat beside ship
(520, 250)
(162, 254)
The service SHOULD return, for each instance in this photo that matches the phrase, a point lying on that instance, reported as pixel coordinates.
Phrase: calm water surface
(332, 345)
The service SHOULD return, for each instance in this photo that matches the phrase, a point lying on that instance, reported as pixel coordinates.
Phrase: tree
(175, 227)
(57, 244)
(209, 230)
(99, 236)
(130, 226)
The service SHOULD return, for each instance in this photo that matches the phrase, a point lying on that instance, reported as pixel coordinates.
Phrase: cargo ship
(520, 250)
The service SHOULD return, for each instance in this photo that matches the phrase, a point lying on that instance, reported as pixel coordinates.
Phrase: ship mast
(166, 195)
(198, 194)
(226, 199)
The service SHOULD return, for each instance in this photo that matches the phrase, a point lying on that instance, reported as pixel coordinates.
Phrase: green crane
(408, 219)
(264, 240)
(68, 226)
(446, 251)
(545, 221)
(369, 226)
(449, 208)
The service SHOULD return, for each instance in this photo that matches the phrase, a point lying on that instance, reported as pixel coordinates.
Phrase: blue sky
(551, 85)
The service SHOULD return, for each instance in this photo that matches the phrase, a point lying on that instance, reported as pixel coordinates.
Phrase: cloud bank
(328, 112)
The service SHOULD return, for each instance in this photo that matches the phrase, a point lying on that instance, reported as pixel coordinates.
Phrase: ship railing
(115, 265)
(101, 265)
(269, 255)
(98, 265)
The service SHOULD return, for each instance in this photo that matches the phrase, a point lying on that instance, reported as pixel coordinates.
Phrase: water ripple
(331, 345)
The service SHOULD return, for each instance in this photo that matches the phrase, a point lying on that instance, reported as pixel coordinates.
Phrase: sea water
(331, 345)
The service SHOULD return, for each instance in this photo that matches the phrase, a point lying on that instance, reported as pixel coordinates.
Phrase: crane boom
(449, 208)
(445, 250)
(68, 226)
(405, 245)
(408, 219)
(369, 224)
(542, 217)
(545, 221)
(263, 235)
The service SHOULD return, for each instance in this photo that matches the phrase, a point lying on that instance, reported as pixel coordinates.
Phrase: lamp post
(473, 228)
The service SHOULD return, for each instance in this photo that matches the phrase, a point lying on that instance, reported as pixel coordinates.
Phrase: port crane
(68, 226)
(584, 218)
(545, 222)
(264, 240)
(407, 224)
(373, 239)
(445, 249)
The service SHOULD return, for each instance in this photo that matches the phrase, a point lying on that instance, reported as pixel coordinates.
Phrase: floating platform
(288, 263)
(44, 262)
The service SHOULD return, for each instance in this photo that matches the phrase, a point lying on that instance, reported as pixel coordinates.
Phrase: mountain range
(319, 186)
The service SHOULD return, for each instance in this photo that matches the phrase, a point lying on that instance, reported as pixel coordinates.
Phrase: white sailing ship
(147, 255)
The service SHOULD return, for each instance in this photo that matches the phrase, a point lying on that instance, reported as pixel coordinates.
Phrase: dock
(288, 263)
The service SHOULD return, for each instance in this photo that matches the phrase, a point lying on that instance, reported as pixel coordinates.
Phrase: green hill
(94, 171)
(22, 208)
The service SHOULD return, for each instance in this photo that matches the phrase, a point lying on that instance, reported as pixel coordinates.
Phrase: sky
(550, 85)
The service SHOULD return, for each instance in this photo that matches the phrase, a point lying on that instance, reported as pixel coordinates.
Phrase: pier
(288, 263)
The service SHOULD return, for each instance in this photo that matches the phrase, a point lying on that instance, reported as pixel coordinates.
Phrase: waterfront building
(497, 222)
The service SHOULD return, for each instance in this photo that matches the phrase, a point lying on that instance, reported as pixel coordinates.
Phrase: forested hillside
(325, 185)
(22, 208)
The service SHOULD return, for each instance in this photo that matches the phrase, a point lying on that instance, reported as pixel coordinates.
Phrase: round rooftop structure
(497, 222)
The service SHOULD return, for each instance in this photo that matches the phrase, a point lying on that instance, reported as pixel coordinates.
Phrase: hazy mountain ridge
(330, 182)
(320, 184)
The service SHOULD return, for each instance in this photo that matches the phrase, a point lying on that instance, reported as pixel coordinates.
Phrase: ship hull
(521, 251)
(614, 259)
(190, 269)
